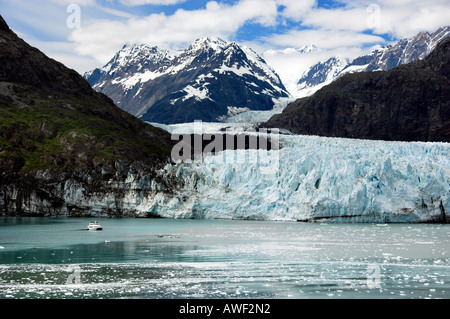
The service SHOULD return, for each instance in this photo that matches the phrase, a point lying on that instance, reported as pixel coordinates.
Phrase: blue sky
(343, 27)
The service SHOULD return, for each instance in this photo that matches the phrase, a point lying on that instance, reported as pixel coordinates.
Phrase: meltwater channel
(169, 259)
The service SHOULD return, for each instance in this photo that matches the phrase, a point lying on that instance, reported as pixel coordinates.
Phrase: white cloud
(295, 9)
(345, 26)
(399, 18)
(79, 2)
(324, 39)
(338, 19)
(101, 39)
(406, 18)
(155, 2)
(65, 53)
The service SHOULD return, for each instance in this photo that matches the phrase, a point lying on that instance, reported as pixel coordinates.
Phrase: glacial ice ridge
(311, 179)
(317, 179)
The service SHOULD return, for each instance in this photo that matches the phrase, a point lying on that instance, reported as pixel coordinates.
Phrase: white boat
(94, 226)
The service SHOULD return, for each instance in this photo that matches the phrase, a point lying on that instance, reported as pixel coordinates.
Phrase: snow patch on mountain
(214, 43)
(233, 110)
(261, 64)
(130, 82)
(136, 52)
(292, 51)
(199, 93)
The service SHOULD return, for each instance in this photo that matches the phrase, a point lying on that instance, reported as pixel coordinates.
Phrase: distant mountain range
(213, 79)
(305, 49)
(406, 103)
(210, 80)
(383, 59)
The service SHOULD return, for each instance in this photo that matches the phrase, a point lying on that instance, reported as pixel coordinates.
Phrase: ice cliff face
(309, 179)
(321, 179)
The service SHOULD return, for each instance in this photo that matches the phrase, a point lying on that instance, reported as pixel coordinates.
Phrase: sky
(85, 34)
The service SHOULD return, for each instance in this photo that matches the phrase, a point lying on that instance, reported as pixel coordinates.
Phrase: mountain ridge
(66, 149)
(407, 103)
(51, 117)
(207, 81)
(383, 59)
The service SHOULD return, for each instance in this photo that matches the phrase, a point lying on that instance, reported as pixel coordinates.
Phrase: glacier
(312, 178)
(307, 178)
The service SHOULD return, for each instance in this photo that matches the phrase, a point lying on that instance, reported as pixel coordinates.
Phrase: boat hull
(94, 226)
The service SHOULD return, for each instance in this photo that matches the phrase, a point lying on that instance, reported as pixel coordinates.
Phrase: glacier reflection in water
(148, 258)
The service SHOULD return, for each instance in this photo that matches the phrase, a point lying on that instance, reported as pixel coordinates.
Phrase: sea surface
(58, 258)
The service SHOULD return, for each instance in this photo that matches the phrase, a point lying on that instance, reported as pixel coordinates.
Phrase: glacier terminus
(310, 178)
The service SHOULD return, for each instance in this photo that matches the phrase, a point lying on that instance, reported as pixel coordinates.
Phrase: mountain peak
(137, 55)
(323, 72)
(3, 25)
(204, 82)
(384, 58)
(308, 49)
(210, 42)
(143, 50)
(405, 103)
(137, 46)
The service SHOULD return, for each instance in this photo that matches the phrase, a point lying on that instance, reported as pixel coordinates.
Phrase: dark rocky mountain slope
(407, 103)
(59, 136)
(51, 117)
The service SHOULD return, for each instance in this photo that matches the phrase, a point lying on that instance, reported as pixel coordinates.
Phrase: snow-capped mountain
(320, 74)
(383, 59)
(404, 51)
(209, 81)
(290, 63)
(407, 103)
(288, 51)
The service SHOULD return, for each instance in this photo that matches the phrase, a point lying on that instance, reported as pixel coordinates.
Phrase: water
(167, 259)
